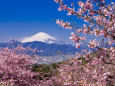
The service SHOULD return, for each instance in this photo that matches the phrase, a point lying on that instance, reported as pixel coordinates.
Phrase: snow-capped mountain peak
(41, 36)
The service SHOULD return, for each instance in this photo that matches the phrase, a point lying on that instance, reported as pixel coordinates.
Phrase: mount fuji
(42, 37)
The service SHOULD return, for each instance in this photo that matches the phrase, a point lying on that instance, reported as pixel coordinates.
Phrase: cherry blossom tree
(15, 69)
(92, 66)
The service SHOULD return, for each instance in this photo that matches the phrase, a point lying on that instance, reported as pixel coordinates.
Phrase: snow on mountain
(41, 36)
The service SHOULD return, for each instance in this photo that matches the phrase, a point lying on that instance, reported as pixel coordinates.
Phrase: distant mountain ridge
(51, 49)
(51, 52)
(48, 49)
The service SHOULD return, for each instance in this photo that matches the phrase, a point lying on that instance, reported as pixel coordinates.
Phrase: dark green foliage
(46, 71)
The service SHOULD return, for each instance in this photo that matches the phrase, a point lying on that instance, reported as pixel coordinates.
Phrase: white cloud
(41, 36)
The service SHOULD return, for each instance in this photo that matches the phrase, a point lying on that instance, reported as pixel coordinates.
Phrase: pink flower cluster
(74, 37)
(64, 24)
(86, 5)
(57, 1)
(91, 68)
(15, 69)
(93, 43)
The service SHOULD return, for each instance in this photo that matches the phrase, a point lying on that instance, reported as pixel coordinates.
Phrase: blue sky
(23, 18)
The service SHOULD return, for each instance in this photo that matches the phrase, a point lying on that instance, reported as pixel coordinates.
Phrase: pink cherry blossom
(81, 4)
(96, 32)
(74, 37)
(64, 24)
(93, 43)
(78, 45)
(57, 1)
(91, 69)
